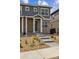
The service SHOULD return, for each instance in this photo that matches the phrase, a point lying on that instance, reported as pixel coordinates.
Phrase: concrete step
(46, 39)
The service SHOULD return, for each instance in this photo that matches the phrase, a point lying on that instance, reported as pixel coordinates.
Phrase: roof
(55, 12)
(35, 5)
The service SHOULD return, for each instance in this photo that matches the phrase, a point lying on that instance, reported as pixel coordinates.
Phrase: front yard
(34, 42)
(31, 43)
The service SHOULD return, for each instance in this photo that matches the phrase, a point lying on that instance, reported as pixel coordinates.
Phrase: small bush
(21, 46)
(52, 36)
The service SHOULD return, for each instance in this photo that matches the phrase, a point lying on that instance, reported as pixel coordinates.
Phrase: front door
(37, 25)
(29, 25)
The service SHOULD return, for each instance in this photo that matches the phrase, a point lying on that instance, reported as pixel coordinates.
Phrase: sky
(53, 3)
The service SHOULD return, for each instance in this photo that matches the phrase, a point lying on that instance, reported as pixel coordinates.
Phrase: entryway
(37, 25)
(30, 25)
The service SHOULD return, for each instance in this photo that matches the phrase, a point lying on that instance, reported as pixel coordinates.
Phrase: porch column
(22, 19)
(26, 24)
(33, 25)
(41, 25)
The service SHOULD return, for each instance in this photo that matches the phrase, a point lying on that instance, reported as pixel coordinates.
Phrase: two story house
(34, 18)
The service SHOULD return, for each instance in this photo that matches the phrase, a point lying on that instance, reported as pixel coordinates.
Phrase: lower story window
(45, 24)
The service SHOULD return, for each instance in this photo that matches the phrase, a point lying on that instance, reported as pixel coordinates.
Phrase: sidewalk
(46, 53)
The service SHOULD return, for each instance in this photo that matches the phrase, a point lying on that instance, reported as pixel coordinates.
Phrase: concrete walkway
(46, 53)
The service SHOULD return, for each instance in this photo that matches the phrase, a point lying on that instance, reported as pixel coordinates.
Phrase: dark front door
(36, 26)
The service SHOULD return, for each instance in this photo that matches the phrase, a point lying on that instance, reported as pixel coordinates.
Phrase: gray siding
(31, 12)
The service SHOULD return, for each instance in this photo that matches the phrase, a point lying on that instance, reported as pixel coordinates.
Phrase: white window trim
(26, 9)
(34, 9)
(45, 8)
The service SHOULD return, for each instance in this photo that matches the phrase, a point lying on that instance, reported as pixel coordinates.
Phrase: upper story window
(26, 8)
(35, 9)
(45, 11)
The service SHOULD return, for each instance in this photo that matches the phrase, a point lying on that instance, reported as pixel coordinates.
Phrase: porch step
(46, 39)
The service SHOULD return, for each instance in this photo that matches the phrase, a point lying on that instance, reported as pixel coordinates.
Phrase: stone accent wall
(46, 27)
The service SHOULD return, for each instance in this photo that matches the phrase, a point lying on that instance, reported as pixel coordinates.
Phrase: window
(35, 9)
(26, 8)
(45, 23)
(20, 8)
(44, 11)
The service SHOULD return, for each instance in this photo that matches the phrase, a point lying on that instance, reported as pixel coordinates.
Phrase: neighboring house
(34, 18)
(54, 23)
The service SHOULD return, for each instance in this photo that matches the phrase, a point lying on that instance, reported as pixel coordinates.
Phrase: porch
(30, 25)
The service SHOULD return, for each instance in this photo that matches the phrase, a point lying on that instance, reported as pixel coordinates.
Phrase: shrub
(21, 46)
(52, 36)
